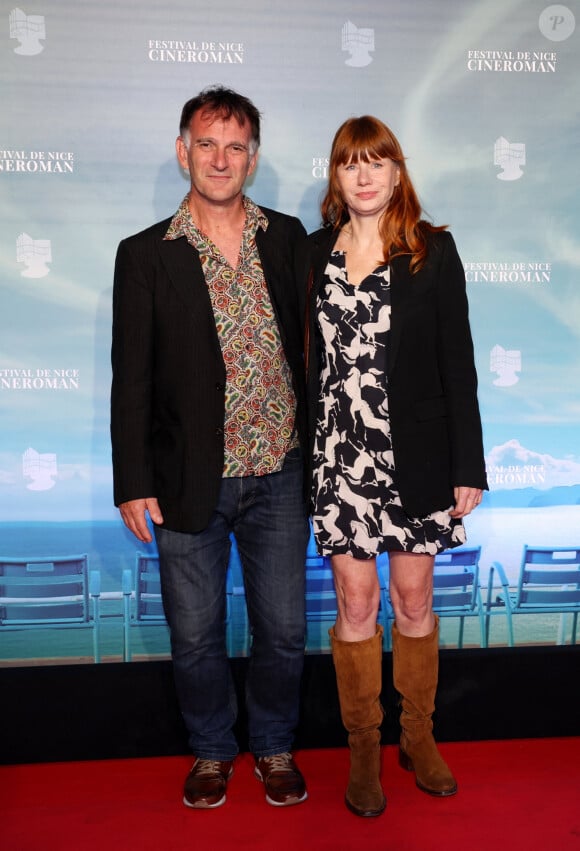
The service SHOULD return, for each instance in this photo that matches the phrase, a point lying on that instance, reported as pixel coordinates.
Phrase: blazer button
(219, 432)
(219, 386)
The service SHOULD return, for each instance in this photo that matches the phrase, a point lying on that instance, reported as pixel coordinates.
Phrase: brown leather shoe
(282, 780)
(205, 786)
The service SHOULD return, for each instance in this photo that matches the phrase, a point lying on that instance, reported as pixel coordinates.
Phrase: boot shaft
(358, 667)
(416, 672)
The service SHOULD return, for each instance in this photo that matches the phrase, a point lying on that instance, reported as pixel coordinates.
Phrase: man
(207, 424)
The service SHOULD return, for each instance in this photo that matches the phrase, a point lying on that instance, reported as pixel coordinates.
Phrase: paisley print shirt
(259, 400)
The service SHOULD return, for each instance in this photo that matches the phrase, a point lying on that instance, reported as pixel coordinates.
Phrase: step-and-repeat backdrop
(484, 97)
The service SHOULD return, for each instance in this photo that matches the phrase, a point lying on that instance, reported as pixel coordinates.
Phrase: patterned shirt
(259, 400)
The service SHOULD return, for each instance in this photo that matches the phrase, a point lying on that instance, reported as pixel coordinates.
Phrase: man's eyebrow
(211, 139)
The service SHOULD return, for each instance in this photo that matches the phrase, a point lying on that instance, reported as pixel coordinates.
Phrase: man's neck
(223, 224)
(229, 216)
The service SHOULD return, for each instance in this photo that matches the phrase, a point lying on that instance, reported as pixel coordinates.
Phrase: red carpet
(512, 795)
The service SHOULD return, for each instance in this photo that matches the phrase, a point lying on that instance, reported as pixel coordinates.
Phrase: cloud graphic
(515, 466)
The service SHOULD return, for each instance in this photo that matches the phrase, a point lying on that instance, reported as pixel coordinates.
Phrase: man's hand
(466, 499)
(134, 514)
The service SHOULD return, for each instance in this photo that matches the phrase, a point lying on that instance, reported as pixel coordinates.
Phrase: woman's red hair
(402, 229)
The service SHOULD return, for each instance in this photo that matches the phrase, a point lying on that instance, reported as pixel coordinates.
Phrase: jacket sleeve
(132, 364)
(457, 370)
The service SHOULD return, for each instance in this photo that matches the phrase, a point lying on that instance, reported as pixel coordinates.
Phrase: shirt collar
(182, 223)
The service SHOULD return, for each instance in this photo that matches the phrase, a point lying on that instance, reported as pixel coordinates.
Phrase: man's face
(218, 156)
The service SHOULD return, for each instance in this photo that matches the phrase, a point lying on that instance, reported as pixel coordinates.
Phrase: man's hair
(223, 103)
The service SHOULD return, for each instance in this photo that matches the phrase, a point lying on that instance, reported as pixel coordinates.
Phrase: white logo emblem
(510, 157)
(557, 23)
(359, 43)
(506, 364)
(35, 254)
(28, 29)
(41, 469)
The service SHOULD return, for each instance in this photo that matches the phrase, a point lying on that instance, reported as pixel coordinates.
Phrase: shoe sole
(406, 763)
(289, 802)
(436, 793)
(365, 813)
(203, 805)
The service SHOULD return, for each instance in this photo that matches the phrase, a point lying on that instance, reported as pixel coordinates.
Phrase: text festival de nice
(512, 61)
(56, 162)
(203, 52)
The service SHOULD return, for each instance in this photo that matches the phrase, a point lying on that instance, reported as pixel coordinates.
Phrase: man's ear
(253, 163)
(181, 151)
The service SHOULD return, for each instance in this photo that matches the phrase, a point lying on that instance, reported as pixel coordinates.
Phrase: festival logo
(39, 378)
(557, 23)
(36, 162)
(510, 157)
(359, 43)
(35, 254)
(320, 168)
(513, 61)
(506, 364)
(40, 469)
(196, 52)
(28, 30)
(495, 272)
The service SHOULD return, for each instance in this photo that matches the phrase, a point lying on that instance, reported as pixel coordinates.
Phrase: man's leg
(193, 572)
(272, 532)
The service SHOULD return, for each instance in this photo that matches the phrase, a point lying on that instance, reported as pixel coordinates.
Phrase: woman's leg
(358, 597)
(411, 592)
(357, 651)
(415, 669)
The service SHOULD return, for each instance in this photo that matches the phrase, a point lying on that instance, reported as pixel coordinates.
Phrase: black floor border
(108, 711)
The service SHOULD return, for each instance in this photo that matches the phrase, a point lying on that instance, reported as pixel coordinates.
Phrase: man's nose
(220, 158)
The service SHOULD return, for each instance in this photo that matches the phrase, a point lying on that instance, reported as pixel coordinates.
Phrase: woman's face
(367, 187)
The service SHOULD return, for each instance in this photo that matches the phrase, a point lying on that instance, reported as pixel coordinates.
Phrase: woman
(396, 444)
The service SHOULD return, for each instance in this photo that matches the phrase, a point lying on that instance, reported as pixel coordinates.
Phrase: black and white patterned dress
(357, 509)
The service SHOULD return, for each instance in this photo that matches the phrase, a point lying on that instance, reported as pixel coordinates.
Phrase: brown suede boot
(415, 674)
(358, 666)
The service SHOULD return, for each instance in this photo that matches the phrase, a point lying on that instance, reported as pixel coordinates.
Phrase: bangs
(365, 139)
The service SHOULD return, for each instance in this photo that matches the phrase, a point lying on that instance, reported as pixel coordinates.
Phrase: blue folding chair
(456, 589)
(548, 583)
(57, 592)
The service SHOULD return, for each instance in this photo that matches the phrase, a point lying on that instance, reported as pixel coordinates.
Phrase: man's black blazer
(431, 379)
(167, 398)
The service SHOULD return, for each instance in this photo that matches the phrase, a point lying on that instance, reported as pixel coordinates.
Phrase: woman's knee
(358, 605)
(414, 608)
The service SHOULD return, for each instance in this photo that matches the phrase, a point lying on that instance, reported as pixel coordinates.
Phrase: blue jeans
(267, 516)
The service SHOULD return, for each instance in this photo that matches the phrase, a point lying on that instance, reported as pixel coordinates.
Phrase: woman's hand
(466, 499)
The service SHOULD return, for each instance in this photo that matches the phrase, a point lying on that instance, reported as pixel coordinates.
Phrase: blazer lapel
(401, 293)
(183, 268)
(184, 271)
(268, 251)
(320, 253)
